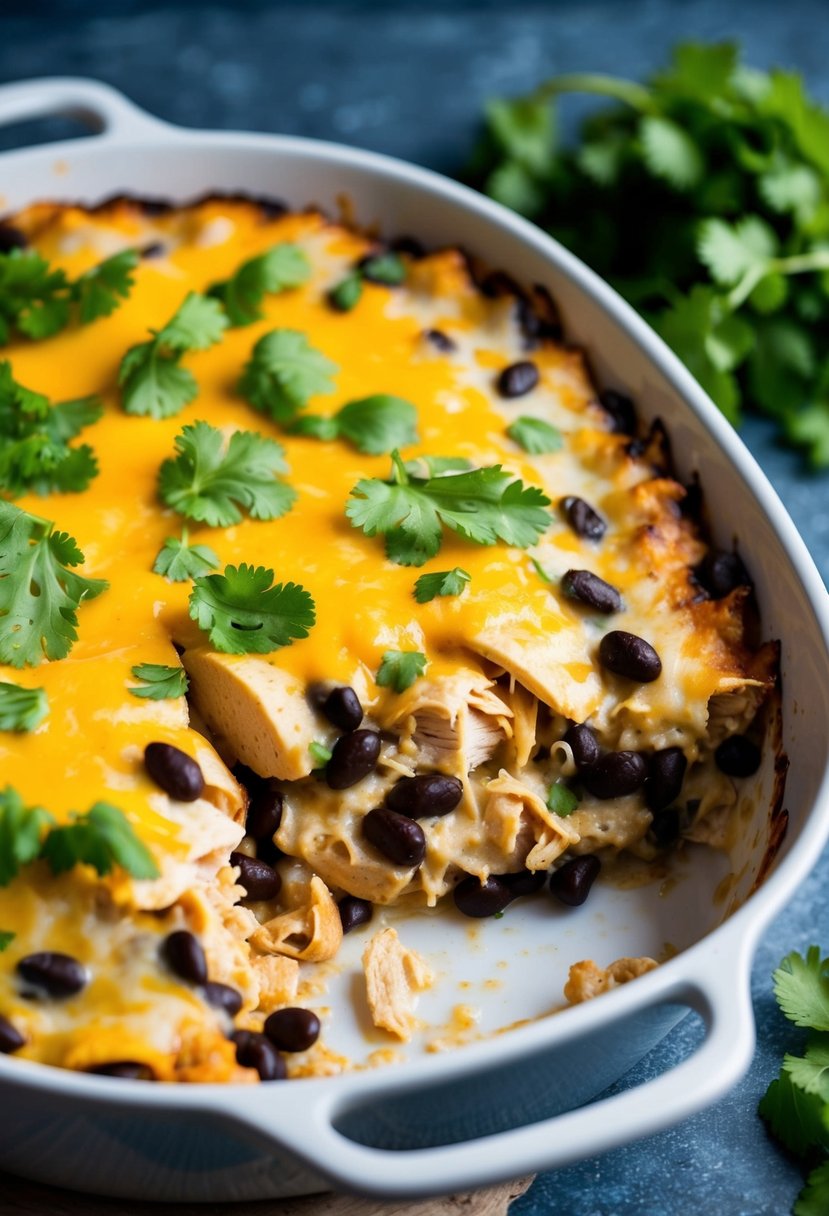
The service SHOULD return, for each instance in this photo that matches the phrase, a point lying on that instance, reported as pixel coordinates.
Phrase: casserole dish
(503, 1105)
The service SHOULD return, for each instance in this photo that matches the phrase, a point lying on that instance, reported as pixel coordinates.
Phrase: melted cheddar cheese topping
(512, 652)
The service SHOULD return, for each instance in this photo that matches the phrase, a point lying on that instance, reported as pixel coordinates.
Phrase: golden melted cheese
(91, 745)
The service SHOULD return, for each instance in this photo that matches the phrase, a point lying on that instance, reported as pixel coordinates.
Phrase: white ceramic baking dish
(506, 1104)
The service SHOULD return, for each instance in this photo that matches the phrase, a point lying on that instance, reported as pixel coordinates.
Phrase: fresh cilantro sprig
(40, 591)
(796, 1104)
(440, 582)
(103, 838)
(374, 425)
(161, 683)
(6, 939)
(716, 177)
(37, 300)
(34, 440)
(213, 476)
(179, 561)
(400, 668)
(282, 267)
(244, 613)
(283, 373)
(22, 709)
(482, 505)
(151, 377)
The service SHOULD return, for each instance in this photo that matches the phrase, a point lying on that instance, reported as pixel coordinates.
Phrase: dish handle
(106, 111)
(722, 998)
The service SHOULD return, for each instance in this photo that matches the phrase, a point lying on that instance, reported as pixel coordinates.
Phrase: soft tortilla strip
(261, 711)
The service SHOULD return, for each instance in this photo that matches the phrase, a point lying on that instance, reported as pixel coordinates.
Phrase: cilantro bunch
(702, 197)
(796, 1105)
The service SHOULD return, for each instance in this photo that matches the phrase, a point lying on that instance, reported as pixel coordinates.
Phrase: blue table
(410, 79)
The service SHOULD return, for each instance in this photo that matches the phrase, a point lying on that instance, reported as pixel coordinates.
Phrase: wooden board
(21, 1198)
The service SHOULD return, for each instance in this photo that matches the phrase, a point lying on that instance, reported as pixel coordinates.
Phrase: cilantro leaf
(442, 582)
(561, 800)
(99, 290)
(283, 373)
(39, 593)
(811, 1072)
(524, 129)
(794, 1116)
(802, 989)
(152, 380)
(483, 505)
(278, 269)
(374, 425)
(102, 838)
(34, 449)
(386, 268)
(37, 300)
(670, 152)
(212, 476)
(534, 435)
(6, 939)
(160, 683)
(731, 250)
(319, 753)
(21, 828)
(400, 668)
(22, 709)
(179, 561)
(244, 613)
(813, 1200)
(346, 294)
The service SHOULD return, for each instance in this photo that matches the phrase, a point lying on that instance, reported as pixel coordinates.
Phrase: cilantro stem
(800, 263)
(627, 91)
(401, 477)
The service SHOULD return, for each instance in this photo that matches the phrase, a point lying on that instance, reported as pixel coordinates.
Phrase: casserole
(151, 1141)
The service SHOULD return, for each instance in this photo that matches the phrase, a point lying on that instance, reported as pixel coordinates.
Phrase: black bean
(259, 879)
(583, 744)
(53, 973)
(222, 996)
(692, 504)
(396, 836)
(665, 827)
(183, 954)
(247, 777)
(354, 756)
(583, 519)
(292, 1029)
(498, 283)
(738, 757)
(11, 238)
(479, 899)
(154, 250)
(615, 775)
(264, 812)
(666, 772)
(630, 656)
(720, 573)
(127, 1070)
(440, 340)
(621, 410)
(571, 882)
(269, 852)
(253, 1050)
(342, 707)
(174, 771)
(525, 882)
(10, 1037)
(354, 912)
(533, 326)
(517, 379)
(271, 208)
(427, 794)
(589, 589)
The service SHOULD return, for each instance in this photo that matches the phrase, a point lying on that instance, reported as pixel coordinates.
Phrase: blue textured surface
(409, 79)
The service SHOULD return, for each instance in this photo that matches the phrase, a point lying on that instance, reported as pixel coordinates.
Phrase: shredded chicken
(394, 975)
(587, 980)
